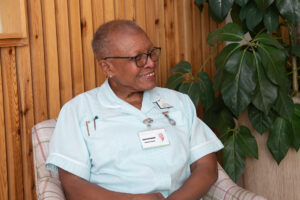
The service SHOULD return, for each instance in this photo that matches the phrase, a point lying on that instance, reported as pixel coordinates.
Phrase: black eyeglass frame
(134, 57)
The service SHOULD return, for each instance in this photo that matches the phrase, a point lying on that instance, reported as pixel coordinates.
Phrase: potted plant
(257, 73)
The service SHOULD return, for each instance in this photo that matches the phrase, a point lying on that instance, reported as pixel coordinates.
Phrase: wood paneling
(56, 63)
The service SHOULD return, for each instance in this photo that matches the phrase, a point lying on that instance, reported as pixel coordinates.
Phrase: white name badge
(153, 138)
(163, 104)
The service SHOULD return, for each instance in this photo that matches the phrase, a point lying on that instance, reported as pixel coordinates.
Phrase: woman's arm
(78, 188)
(204, 172)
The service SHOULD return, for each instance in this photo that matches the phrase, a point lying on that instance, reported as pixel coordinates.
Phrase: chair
(48, 185)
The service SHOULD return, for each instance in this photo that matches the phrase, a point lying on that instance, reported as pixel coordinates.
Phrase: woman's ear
(106, 67)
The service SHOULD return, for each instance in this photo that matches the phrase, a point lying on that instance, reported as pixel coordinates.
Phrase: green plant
(252, 73)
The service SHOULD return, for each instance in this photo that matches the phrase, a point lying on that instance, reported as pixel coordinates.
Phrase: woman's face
(126, 76)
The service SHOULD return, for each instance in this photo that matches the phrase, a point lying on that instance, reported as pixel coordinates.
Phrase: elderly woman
(128, 139)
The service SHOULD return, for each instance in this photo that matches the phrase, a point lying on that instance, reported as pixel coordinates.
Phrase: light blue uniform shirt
(106, 149)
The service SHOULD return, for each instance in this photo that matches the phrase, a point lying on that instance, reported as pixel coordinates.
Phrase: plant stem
(209, 57)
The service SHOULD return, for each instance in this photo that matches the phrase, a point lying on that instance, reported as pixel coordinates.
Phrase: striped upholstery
(48, 185)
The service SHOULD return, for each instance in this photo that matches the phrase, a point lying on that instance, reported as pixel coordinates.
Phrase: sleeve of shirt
(67, 148)
(203, 141)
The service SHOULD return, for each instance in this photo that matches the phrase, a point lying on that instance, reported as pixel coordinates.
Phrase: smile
(149, 75)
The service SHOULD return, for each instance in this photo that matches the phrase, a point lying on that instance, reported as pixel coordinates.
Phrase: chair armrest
(47, 183)
(225, 189)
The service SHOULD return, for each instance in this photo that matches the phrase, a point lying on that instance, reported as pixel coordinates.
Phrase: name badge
(153, 138)
(163, 104)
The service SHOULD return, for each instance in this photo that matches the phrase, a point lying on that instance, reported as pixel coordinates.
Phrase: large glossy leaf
(247, 142)
(296, 131)
(220, 8)
(279, 140)
(191, 89)
(229, 33)
(259, 120)
(220, 62)
(297, 109)
(241, 3)
(182, 67)
(233, 158)
(284, 105)
(174, 81)
(273, 60)
(271, 19)
(289, 9)
(265, 92)
(267, 39)
(253, 16)
(206, 90)
(225, 121)
(238, 82)
(263, 4)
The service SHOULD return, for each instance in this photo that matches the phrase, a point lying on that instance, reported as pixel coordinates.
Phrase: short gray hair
(101, 43)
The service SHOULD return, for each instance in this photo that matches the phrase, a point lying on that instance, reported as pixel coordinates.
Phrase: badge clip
(171, 121)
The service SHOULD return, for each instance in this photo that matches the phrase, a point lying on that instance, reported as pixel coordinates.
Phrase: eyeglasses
(142, 58)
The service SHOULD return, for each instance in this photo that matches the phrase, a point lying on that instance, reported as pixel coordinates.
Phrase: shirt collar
(109, 99)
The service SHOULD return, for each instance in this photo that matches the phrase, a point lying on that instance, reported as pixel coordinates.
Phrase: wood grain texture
(3, 159)
(87, 36)
(76, 47)
(37, 57)
(26, 113)
(64, 57)
(12, 124)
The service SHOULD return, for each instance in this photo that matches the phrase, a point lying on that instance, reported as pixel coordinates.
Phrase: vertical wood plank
(160, 38)
(140, 13)
(51, 58)
(12, 124)
(196, 54)
(179, 31)
(130, 9)
(187, 27)
(109, 10)
(170, 32)
(76, 47)
(26, 119)
(87, 36)
(3, 159)
(119, 9)
(37, 60)
(98, 19)
(64, 57)
(205, 29)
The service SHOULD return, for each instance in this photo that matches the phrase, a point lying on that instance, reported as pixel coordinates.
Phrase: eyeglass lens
(141, 60)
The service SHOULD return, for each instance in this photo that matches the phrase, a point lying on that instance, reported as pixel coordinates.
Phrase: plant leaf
(266, 92)
(259, 120)
(297, 109)
(191, 89)
(220, 8)
(206, 90)
(225, 121)
(267, 39)
(220, 62)
(296, 50)
(174, 81)
(253, 16)
(199, 3)
(296, 131)
(238, 82)
(247, 142)
(263, 4)
(279, 140)
(182, 67)
(284, 105)
(229, 32)
(273, 60)
(233, 158)
(271, 19)
(241, 3)
(289, 9)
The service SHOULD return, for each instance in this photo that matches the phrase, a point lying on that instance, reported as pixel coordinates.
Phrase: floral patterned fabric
(48, 185)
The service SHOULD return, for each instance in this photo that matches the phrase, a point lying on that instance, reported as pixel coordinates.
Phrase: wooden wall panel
(57, 63)
(3, 159)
